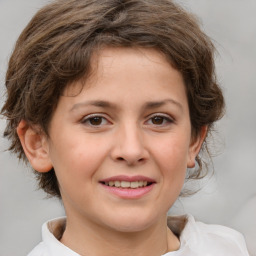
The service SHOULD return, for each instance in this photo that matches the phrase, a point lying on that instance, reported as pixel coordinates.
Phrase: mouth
(127, 184)
(128, 187)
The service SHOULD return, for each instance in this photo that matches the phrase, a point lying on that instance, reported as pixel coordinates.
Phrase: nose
(129, 146)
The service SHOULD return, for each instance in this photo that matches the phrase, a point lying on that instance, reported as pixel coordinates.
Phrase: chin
(131, 228)
(134, 223)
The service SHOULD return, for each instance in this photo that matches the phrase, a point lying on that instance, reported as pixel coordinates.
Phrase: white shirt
(197, 239)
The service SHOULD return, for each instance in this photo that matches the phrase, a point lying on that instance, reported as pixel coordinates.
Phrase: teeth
(127, 184)
(111, 183)
(117, 184)
(140, 183)
(135, 184)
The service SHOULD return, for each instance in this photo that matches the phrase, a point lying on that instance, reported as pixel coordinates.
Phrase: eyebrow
(109, 105)
(157, 104)
(96, 103)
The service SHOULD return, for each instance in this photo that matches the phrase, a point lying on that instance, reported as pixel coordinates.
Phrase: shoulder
(39, 250)
(198, 238)
(219, 240)
(51, 246)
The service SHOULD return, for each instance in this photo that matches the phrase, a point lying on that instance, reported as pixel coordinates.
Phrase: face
(121, 146)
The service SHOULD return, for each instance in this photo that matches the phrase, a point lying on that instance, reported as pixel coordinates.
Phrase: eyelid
(167, 117)
(88, 117)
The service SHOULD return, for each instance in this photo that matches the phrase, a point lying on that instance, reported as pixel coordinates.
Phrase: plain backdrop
(227, 198)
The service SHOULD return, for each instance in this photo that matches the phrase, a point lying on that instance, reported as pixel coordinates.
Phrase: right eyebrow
(96, 103)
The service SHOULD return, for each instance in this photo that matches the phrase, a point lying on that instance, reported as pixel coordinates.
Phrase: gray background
(228, 198)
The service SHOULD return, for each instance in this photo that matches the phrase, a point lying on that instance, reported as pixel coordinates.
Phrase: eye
(95, 120)
(159, 120)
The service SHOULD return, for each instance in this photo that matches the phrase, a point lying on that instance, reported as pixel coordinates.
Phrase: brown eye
(158, 120)
(97, 120)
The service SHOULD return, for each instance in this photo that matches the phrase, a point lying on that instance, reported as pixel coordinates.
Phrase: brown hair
(56, 47)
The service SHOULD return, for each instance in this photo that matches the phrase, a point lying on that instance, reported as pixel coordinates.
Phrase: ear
(195, 147)
(35, 146)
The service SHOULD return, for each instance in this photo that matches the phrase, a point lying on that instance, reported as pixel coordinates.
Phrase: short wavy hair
(56, 47)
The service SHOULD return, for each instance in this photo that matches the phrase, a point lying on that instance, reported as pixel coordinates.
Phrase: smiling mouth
(127, 184)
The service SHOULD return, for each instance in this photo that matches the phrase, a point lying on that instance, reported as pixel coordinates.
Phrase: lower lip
(129, 193)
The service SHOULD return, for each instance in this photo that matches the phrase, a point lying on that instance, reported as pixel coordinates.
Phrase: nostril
(141, 160)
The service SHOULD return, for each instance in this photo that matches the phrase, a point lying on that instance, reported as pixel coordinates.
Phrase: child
(110, 102)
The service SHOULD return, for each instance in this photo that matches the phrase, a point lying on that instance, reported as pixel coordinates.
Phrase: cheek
(172, 163)
(174, 152)
(77, 157)
(171, 159)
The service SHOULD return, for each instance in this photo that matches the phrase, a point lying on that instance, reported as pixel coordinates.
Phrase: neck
(91, 239)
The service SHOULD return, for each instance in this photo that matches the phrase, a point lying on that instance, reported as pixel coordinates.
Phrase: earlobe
(35, 146)
(195, 147)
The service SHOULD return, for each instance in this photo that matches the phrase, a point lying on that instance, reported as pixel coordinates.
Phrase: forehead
(122, 63)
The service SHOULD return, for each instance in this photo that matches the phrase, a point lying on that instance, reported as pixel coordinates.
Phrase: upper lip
(128, 178)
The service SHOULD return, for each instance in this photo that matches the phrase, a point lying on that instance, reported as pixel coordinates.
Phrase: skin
(131, 118)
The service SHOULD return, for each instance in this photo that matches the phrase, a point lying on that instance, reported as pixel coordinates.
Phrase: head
(56, 49)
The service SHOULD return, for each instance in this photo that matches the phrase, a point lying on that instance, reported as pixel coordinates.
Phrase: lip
(128, 193)
(128, 178)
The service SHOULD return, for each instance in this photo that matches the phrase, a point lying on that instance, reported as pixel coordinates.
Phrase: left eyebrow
(157, 104)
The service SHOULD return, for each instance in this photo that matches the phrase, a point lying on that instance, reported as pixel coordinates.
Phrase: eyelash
(88, 119)
(166, 119)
